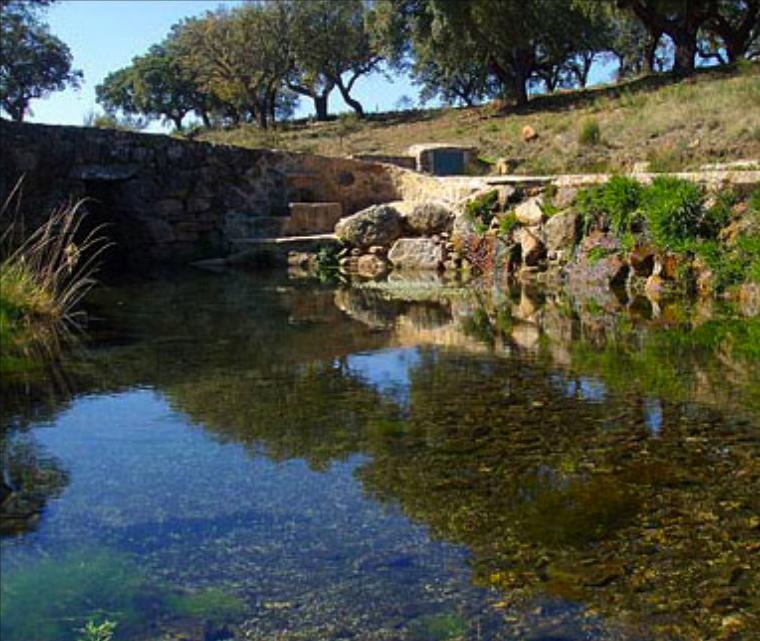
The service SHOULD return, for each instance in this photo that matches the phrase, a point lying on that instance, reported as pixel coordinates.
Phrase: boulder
(531, 247)
(416, 254)
(429, 218)
(376, 225)
(530, 212)
(562, 230)
(371, 266)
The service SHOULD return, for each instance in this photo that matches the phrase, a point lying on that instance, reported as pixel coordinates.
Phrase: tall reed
(44, 275)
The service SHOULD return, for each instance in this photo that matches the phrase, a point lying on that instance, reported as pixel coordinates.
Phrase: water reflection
(403, 462)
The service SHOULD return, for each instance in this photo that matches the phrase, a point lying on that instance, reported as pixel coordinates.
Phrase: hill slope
(712, 117)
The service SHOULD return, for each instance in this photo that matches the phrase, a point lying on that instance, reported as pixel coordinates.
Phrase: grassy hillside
(712, 117)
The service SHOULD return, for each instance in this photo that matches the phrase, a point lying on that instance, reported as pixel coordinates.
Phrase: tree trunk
(205, 119)
(520, 87)
(650, 53)
(686, 51)
(320, 106)
(351, 102)
(177, 120)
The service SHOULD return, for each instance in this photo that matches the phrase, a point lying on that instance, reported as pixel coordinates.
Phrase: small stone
(529, 133)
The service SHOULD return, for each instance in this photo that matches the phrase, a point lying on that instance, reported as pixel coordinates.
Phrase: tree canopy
(251, 63)
(33, 62)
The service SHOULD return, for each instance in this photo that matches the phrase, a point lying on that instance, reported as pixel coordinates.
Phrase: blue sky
(105, 35)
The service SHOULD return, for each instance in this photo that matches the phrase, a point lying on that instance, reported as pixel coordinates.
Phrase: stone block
(312, 218)
(416, 254)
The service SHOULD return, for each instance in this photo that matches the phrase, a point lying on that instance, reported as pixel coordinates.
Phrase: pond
(237, 456)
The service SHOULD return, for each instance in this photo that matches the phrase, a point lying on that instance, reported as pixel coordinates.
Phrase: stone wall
(170, 200)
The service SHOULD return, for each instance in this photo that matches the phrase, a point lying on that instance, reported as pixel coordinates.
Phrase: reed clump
(44, 275)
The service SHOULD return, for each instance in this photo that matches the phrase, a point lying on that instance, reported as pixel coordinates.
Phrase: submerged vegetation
(95, 594)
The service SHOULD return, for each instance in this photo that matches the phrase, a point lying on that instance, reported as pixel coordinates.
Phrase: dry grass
(44, 276)
(712, 117)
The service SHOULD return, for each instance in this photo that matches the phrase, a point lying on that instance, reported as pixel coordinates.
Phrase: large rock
(376, 225)
(371, 266)
(530, 212)
(416, 254)
(429, 218)
(561, 230)
(531, 247)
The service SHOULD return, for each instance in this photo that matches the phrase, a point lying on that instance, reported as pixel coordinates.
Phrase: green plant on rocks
(615, 204)
(508, 223)
(481, 211)
(674, 211)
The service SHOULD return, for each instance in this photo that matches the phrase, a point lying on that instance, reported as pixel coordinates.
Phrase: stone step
(286, 241)
(312, 218)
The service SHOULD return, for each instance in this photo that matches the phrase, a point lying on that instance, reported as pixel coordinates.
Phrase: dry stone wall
(171, 200)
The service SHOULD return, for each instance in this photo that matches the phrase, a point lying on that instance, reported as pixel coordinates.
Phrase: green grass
(43, 278)
(590, 133)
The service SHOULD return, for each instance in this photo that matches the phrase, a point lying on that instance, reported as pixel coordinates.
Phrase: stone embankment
(532, 229)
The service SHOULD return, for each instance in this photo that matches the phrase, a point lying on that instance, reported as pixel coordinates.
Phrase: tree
(681, 20)
(737, 24)
(33, 62)
(154, 85)
(240, 57)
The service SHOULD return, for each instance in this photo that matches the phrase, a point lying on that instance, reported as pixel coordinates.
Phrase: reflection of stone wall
(168, 199)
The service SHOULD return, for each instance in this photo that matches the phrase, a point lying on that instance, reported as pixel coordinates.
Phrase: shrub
(615, 203)
(590, 133)
(675, 213)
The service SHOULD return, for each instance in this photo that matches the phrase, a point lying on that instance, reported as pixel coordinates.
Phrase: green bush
(675, 212)
(615, 204)
(590, 133)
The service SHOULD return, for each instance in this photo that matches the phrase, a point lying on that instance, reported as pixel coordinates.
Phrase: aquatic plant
(213, 605)
(98, 631)
(77, 586)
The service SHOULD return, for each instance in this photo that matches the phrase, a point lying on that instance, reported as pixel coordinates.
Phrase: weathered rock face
(598, 264)
(416, 254)
(530, 212)
(531, 246)
(378, 225)
(431, 218)
(562, 230)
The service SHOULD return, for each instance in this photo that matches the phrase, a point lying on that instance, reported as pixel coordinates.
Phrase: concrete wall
(171, 200)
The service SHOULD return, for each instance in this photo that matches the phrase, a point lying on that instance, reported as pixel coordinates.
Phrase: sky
(104, 35)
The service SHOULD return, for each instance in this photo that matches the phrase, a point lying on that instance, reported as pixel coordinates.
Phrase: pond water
(246, 457)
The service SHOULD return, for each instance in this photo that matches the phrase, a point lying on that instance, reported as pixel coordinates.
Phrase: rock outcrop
(377, 225)
(416, 254)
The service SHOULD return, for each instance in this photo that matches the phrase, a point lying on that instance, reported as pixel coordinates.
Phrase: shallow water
(237, 456)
